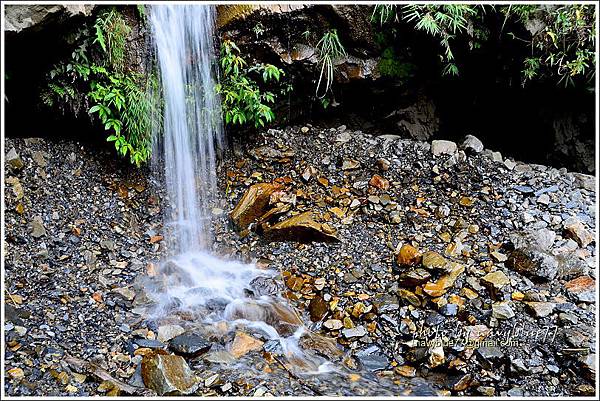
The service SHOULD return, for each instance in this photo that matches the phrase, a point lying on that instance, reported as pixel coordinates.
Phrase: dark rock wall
(36, 38)
(407, 95)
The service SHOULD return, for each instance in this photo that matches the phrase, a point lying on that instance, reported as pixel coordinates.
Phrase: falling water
(192, 123)
(192, 280)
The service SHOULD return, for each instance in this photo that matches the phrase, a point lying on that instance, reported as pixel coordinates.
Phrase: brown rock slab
(254, 204)
(300, 228)
(317, 308)
(244, 343)
(168, 375)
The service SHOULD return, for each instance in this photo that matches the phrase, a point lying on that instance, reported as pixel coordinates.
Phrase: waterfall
(191, 280)
(192, 125)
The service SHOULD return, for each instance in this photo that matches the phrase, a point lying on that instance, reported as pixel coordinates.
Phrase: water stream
(192, 282)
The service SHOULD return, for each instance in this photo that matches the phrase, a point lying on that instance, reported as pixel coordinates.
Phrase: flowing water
(192, 282)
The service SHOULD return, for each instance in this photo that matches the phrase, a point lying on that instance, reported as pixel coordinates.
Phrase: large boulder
(22, 17)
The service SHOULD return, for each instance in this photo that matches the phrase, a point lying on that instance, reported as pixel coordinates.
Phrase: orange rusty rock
(378, 181)
(408, 256)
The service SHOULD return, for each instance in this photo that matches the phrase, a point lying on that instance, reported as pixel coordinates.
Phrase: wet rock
(577, 231)
(372, 359)
(408, 256)
(441, 147)
(169, 331)
(189, 345)
(301, 228)
(168, 375)
(262, 285)
(254, 204)
(317, 308)
(472, 144)
(243, 344)
(14, 160)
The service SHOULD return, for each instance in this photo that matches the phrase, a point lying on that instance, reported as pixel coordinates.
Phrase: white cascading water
(191, 279)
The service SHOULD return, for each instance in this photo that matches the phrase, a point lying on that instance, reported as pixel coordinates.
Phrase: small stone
(440, 147)
(14, 160)
(472, 144)
(169, 331)
(373, 361)
(510, 164)
(333, 324)
(414, 277)
(168, 375)
(16, 373)
(490, 353)
(383, 164)
(433, 260)
(300, 228)
(317, 308)
(499, 257)
(541, 309)
(449, 310)
(463, 383)
(243, 344)
(39, 158)
(350, 164)
(379, 182)
(496, 279)
(502, 310)
(304, 130)
(543, 199)
(408, 256)
(37, 227)
(406, 370)
(583, 288)
(125, 292)
(189, 345)
(577, 231)
(358, 331)
(436, 357)
(253, 204)
(409, 297)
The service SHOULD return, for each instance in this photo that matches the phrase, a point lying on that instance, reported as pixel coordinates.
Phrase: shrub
(243, 102)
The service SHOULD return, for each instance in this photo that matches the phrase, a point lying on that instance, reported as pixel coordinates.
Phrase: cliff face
(389, 88)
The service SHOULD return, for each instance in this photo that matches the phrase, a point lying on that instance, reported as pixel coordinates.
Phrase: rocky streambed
(435, 268)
